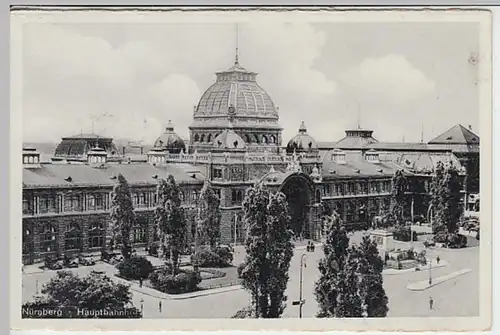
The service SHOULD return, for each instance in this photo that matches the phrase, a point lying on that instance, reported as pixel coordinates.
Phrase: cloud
(391, 78)
(158, 73)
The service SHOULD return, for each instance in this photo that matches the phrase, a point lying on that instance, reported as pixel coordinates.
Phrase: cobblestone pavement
(456, 297)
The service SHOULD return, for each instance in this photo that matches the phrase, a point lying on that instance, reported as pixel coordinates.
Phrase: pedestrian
(140, 282)
(159, 306)
(438, 259)
(431, 303)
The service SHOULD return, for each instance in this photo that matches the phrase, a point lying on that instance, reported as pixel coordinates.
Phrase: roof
(457, 134)
(236, 87)
(229, 140)
(170, 141)
(56, 175)
(358, 168)
(382, 146)
(89, 136)
(302, 141)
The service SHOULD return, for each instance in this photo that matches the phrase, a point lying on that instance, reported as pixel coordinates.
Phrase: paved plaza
(458, 296)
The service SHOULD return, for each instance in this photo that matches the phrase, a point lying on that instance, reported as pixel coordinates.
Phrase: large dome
(238, 88)
(170, 141)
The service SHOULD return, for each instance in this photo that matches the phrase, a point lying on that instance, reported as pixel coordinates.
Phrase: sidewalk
(165, 296)
(422, 268)
(424, 284)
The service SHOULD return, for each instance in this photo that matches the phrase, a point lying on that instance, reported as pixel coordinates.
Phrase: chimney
(31, 158)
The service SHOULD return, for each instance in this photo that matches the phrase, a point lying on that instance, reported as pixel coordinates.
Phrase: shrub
(451, 240)
(136, 267)
(403, 234)
(245, 313)
(220, 257)
(240, 269)
(183, 282)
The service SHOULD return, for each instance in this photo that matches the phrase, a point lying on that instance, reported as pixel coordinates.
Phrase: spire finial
(359, 116)
(422, 133)
(237, 37)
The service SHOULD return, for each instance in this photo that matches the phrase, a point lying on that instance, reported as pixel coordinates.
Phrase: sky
(130, 79)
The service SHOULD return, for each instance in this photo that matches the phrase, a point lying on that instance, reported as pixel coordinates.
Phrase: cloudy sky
(132, 78)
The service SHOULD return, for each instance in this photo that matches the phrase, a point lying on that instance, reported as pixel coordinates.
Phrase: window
(99, 201)
(90, 202)
(237, 196)
(47, 204)
(209, 138)
(217, 173)
(365, 187)
(272, 139)
(202, 138)
(27, 207)
(142, 199)
(318, 196)
(196, 138)
(28, 245)
(326, 189)
(135, 199)
(264, 139)
(72, 203)
(48, 237)
(256, 139)
(96, 235)
(72, 237)
(237, 227)
(194, 196)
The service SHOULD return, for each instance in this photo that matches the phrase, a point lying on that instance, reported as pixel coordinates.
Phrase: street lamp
(37, 286)
(301, 302)
(142, 305)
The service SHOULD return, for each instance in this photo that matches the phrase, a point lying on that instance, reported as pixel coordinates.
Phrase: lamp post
(142, 306)
(235, 228)
(301, 302)
(37, 286)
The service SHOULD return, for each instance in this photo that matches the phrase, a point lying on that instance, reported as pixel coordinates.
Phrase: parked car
(86, 261)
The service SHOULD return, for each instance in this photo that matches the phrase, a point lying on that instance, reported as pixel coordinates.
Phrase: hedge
(136, 267)
(205, 257)
(451, 240)
(183, 282)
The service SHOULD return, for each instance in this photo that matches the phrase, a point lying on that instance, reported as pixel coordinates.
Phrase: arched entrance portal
(299, 193)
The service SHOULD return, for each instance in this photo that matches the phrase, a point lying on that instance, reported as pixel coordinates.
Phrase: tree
(370, 269)
(122, 216)
(209, 216)
(327, 288)
(170, 219)
(95, 292)
(398, 197)
(348, 302)
(446, 199)
(136, 267)
(269, 251)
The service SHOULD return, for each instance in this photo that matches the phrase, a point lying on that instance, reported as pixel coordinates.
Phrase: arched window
(28, 245)
(272, 139)
(209, 138)
(202, 138)
(196, 138)
(318, 196)
(142, 199)
(25, 159)
(136, 199)
(264, 139)
(140, 231)
(96, 235)
(248, 139)
(256, 138)
(90, 202)
(181, 195)
(31, 159)
(48, 238)
(72, 237)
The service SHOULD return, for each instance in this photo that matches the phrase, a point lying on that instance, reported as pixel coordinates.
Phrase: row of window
(254, 138)
(73, 237)
(352, 188)
(49, 203)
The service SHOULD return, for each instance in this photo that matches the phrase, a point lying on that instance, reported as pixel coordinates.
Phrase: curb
(203, 293)
(423, 285)
(392, 272)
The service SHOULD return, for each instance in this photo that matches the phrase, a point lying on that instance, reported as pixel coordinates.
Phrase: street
(456, 297)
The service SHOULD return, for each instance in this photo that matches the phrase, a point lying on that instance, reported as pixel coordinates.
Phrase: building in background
(235, 142)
